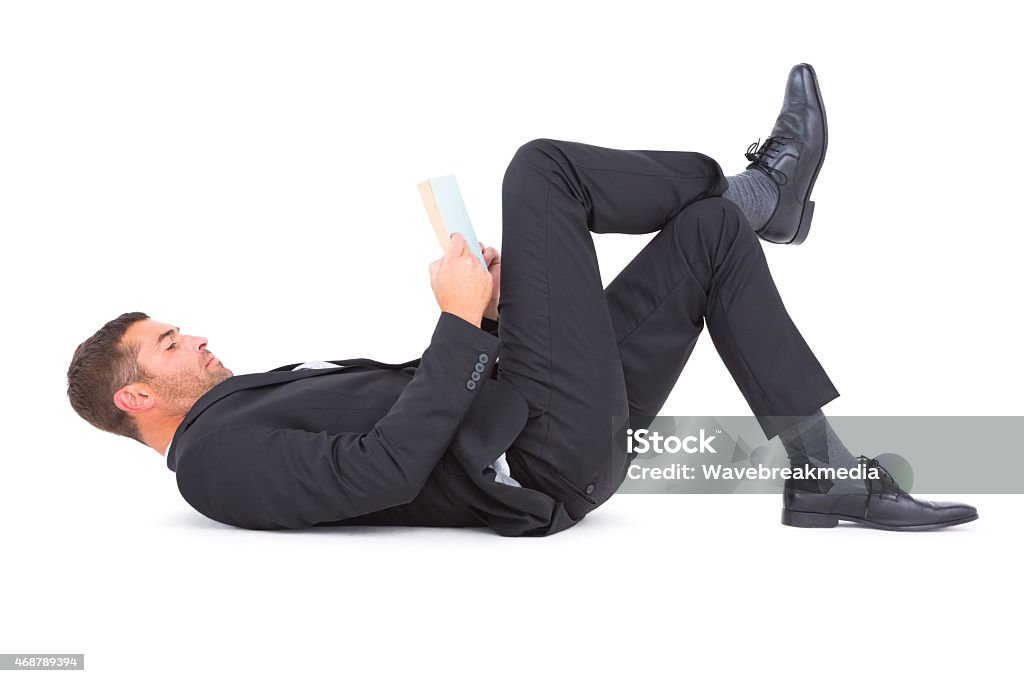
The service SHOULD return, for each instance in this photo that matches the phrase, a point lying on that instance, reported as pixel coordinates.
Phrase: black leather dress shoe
(792, 156)
(881, 504)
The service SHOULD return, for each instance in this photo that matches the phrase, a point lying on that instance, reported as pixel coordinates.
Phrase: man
(457, 438)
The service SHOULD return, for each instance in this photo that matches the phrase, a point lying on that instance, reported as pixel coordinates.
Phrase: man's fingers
(458, 245)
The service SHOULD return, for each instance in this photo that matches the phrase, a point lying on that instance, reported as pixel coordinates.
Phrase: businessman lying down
(505, 420)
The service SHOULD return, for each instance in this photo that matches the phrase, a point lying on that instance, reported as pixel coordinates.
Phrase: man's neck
(158, 434)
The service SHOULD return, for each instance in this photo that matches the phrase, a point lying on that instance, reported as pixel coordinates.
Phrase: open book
(447, 212)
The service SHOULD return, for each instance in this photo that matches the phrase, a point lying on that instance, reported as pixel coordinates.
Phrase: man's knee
(720, 214)
(532, 157)
(706, 229)
(711, 219)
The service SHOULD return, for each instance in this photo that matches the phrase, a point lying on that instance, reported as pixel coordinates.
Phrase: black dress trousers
(581, 354)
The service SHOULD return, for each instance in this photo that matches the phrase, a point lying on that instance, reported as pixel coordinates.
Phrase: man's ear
(134, 398)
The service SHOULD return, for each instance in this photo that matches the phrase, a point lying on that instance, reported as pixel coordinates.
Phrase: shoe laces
(765, 156)
(887, 481)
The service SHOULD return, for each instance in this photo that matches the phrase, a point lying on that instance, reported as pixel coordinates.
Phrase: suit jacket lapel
(361, 361)
(277, 376)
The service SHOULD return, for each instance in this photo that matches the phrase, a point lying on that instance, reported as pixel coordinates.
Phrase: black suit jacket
(368, 443)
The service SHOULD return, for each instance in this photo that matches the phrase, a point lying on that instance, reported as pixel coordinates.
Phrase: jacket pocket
(573, 488)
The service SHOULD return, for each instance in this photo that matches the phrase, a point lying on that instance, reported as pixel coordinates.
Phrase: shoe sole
(821, 520)
(808, 212)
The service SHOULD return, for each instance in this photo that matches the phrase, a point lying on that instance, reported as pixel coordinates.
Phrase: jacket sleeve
(488, 325)
(261, 477)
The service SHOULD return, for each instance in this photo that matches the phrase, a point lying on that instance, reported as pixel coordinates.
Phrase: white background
(247, 171)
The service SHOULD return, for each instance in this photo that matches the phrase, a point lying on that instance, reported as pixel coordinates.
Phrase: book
(447, 212)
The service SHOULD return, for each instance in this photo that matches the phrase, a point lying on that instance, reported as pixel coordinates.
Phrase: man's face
(180, 365)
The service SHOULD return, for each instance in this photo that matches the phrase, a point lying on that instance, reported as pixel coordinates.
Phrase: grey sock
(813, 441)
(755, 193)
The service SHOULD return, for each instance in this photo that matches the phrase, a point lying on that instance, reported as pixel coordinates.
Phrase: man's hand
(493, 259)
(461, 285)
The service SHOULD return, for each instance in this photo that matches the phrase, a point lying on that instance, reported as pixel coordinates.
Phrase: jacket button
(483, 358)
(590, 488)
(479, 367)
(470, 384)
(475, 375)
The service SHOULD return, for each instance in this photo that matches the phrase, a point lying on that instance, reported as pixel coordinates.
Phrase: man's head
(135, 372)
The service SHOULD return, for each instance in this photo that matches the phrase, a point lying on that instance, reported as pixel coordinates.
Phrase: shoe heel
(805, 224)
(808, 520)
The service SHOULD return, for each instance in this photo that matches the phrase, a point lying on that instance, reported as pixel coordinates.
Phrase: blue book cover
(450, 211)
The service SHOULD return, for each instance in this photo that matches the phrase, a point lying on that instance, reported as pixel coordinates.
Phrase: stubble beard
(181, 392)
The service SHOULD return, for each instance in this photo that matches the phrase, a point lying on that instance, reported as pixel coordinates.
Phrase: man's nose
(199, 343)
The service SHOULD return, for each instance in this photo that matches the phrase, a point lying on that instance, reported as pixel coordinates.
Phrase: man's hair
(102, 364)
